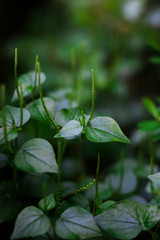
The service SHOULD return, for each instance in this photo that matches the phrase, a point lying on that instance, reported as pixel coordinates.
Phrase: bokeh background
(120, 40)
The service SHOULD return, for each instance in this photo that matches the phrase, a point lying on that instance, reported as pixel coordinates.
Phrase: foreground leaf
(65, 115)
(105, 129)
(47, 203)
(155, 178)
(13, 116)
(11, 134)
(30, 222)
(27, 82)
(36, 155)
(120, 220)
(37, 111)
(70, 130)
(77, 223)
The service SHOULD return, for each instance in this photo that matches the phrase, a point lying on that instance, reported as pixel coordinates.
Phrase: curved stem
(93, 97)
(15, 71)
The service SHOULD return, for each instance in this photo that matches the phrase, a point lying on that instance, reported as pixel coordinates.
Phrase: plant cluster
(62, 211)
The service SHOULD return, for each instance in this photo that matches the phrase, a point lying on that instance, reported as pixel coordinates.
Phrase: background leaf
(11, 134)
(47, 203)
(151, 107)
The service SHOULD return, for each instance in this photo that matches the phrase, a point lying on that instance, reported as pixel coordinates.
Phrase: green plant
(35, 165)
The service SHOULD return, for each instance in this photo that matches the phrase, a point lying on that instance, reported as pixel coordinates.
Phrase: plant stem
(83, 120)
(35, 80)
(77, 191)
(151, 160)
(15, 71)
(42, 100)
(58, 189)
(21, 105)
(96, 201)
(4, 120)
(93, 97)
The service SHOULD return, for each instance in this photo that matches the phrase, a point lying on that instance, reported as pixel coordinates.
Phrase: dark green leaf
(66, 115)
(27, 82)
(70, 130)
(149, 104)
(13, 116)
(30, 222)
(36, 155)
(37, 111)
(47, 203)
(9, 208)
(105, 129)
(77, 223)
(11, 134)
(3, 160)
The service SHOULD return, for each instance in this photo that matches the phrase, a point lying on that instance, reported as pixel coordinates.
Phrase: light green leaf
(149, 125)
(36, 155)
(105, 129)
(11, 133)
(27, 81)
(120, 220)
(65, 115)
(13, 116)
(149, 216)
(70, 130)
(30, 222)
(37, 111)
(155, 178)
(47, 203)
(77, 223)
(149, 104)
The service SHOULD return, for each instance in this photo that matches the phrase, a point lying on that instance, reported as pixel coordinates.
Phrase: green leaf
(77, 223)
(3, 160)
(70, 130)
(13, 116)
(30, 222)
(36, 155)
(150, 215)
(149, 125)
(9, 208)
(65, 115)
(37, 111)
(47, 203)
(27, 82)
(105, 129)
(155, 178)
(120, 220)
(149, 104)
(11, 133)
(155, 60)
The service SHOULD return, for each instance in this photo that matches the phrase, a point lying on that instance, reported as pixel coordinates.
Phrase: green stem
(93, 97)
(57, 128)
(151, 161)
(77, 191)
(4, 120)
(21, 105)
(96, 201)
(83, 120)
(35, 80)
(15, 71)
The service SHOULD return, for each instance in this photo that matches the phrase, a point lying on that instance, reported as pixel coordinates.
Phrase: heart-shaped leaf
(120, 220)
(37, 111)
(105, 129)
(36, 155)
(30, 222)
(13, 116)
(27, 82)
(11, 134)
(77, 223)
(47, 203)
(71, 130)
(65, 115)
